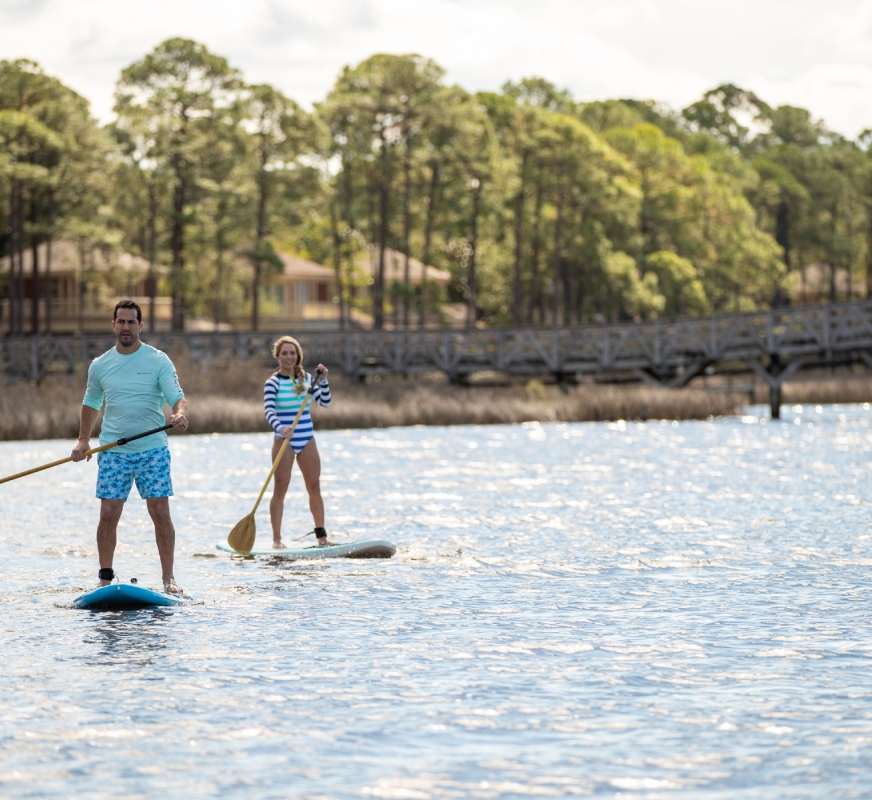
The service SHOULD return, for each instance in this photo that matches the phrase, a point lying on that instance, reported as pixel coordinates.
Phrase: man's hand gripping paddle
(242, 536)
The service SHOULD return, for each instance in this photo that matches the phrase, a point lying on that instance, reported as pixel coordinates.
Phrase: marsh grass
(418, 404)
(228, 400)
(845, 389)
(48, 411)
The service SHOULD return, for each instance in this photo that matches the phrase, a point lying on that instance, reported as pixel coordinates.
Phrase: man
(134, 379)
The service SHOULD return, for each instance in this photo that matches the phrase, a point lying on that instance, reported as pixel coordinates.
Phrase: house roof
(294, 268)
(297, 268)
(65, 257)
(395, 267)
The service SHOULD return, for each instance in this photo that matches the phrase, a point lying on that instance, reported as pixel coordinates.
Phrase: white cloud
(801, 52)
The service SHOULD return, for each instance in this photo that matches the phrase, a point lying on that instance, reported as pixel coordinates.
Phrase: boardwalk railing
(774, 344)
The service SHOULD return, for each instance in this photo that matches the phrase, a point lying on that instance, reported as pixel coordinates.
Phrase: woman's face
(287, 359)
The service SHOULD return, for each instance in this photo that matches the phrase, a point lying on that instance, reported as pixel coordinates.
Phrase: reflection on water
(128, 638)
(627, 609)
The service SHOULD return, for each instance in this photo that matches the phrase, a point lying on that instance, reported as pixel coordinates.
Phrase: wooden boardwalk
(773, 344)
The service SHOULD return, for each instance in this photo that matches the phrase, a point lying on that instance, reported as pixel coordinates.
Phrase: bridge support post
(776, 371)
(775, 401)
(775, 375)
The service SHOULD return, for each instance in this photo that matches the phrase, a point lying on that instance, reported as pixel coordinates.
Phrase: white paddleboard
(377, 548)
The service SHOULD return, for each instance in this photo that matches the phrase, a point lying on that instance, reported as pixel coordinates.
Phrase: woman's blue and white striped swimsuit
(281, 404)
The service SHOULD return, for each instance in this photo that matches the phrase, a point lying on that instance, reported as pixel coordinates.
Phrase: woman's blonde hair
(299, 375)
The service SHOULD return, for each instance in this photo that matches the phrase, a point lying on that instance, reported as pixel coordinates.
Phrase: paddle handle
(284, 447)
(127, 439)
(91, 452)
(35, 469)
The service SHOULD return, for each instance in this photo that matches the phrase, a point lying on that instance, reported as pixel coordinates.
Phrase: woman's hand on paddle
(321, 373)
(286, 432)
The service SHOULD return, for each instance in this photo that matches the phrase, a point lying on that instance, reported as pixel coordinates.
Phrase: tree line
(544, 210)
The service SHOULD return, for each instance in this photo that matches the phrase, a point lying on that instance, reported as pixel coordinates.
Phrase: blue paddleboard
(124, 597)
(377, 548)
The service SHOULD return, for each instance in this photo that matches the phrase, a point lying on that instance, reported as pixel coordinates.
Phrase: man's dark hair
(127, 304)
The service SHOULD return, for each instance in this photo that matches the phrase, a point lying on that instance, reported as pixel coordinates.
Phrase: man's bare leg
(107, 533)
(165, 536)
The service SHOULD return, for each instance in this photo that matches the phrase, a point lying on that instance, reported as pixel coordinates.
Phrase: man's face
(126, 326)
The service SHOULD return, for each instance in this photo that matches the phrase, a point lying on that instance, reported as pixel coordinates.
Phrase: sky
(800, 52)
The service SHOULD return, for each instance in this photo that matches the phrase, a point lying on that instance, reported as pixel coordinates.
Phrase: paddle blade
(242, 536)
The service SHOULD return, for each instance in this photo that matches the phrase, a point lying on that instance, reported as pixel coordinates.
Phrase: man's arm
(86, 425)
(179, 419)
(168, 381)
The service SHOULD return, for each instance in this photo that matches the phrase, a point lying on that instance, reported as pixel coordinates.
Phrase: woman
(282, 395)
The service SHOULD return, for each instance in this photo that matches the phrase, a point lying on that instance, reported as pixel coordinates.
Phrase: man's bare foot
(171, 587)
(279, 545)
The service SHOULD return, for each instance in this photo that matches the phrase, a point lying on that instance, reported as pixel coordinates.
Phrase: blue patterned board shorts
(116, 473)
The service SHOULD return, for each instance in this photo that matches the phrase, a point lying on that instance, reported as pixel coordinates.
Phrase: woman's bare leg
(310, 465)
(281, 481)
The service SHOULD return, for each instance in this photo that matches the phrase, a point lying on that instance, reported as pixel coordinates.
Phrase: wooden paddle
(121, 441)
(242, 536)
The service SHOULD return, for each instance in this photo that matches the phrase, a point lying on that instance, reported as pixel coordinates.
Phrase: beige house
(366, 267)
(395, 268)
(302, 293)
(814, 284)
(85, 285)
(305, 293)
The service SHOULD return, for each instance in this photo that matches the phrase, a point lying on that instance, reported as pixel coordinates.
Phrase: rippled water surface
(641, 610)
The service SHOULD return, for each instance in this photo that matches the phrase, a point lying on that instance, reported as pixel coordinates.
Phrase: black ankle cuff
(320, 533)
(106, 574)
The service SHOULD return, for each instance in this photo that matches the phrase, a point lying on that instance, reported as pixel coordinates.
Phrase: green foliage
(53, 176)
(540, 93)
(795, 126)
(634, 296)
(176, 105)
(695, 206)
(682, 290)
(542, 209)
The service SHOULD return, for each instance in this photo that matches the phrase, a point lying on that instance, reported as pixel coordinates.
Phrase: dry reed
(48, 411)
(846, 389)
(229, 401)
(226, 398)
(394, 403)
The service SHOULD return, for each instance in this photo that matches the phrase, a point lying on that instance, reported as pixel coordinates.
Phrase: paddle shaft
(100, 449)
(284, 447)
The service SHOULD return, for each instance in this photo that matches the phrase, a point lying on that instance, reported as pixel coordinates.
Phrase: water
(631, 610)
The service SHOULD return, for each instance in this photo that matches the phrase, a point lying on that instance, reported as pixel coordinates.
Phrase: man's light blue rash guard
(134, 387)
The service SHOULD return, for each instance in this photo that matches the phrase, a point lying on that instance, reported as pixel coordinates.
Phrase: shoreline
(33, 413)
(229, 402)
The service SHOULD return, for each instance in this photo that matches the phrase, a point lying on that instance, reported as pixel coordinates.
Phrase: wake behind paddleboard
(377, 548)
(124, 597)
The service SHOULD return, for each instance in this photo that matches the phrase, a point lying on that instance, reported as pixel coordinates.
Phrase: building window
(322, 293)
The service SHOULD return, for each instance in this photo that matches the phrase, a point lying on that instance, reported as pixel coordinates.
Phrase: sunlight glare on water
(628, 609)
